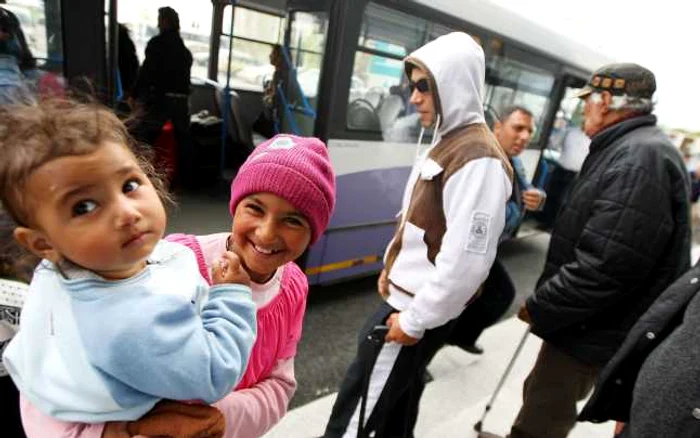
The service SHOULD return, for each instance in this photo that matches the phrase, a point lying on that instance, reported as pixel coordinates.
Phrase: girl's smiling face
(268, 232)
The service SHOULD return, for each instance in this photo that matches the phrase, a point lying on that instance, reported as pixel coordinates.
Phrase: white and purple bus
(345, 86)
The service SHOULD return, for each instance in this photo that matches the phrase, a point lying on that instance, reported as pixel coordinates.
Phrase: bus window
(378, 95)
(141, 19)
(307, 42)
(254, 34)
(36, 29)
(510, 82)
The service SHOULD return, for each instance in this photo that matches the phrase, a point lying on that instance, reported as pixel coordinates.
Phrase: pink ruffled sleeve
(39, 425)
(295, 279)
(251, 412)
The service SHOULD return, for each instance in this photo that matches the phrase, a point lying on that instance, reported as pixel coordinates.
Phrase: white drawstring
(437, 126)
(420, 141)
(433, 142)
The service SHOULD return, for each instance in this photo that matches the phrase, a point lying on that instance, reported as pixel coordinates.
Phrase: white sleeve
(474, 200)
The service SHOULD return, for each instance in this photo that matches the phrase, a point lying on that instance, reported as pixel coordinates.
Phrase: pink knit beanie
(294, 168)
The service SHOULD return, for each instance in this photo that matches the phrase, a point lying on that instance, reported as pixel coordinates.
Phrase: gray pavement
(454, 401)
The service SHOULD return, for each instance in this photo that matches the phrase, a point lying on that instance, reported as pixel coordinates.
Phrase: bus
(345, 86)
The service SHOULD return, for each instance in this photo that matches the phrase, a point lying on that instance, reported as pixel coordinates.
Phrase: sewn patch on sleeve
(478, 240)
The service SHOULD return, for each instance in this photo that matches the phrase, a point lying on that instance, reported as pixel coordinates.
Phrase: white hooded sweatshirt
(453, 208)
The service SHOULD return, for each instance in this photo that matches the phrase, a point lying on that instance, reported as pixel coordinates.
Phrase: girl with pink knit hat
(281, 202)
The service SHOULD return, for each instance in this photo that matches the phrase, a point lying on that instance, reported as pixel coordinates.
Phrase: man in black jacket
(621, 237)
(163, 87)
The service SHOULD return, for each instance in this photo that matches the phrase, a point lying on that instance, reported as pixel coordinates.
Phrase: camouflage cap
(621, 79)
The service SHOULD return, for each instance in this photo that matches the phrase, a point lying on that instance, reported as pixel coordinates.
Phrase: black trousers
(487, 309)
(396, 387)
(150, 125)
(10, 420)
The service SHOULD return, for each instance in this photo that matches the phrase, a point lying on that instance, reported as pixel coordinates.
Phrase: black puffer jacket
(621, 237)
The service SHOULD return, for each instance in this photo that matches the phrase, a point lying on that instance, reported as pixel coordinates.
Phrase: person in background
(162, 90)
(574, 148)
(128, 62)
(651, 382)
(452, 215)
(15, 59)
(513, 132)
(26, 59)
(268, 122)
(16, 268)
(621, 238)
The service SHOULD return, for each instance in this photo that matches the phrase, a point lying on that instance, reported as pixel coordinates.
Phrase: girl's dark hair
(170, 15)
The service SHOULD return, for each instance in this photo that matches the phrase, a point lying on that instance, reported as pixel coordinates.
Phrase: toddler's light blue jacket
(91, 350)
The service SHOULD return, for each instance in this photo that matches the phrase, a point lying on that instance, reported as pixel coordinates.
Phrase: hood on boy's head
(296, 169)
(455, 63)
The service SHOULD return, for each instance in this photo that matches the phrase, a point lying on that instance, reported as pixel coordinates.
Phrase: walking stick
(479, 424)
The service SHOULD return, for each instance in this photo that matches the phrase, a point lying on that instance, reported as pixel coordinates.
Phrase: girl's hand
(228, 269)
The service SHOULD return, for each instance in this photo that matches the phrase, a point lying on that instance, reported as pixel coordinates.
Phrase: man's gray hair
(625, 102)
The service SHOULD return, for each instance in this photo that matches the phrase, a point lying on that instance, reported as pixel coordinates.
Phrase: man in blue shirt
(513, 131)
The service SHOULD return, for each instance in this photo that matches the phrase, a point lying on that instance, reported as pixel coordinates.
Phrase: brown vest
(453, 152)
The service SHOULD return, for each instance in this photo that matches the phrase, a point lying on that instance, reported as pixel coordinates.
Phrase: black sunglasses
(421, 85)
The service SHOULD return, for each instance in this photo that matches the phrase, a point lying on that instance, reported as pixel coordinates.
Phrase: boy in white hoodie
(453, 212)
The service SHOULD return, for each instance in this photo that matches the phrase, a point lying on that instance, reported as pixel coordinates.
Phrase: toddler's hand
(228, 269)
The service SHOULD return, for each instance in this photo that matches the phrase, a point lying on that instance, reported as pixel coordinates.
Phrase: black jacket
(621, 237)
(612, 398)
(128, 60)
(166, 68)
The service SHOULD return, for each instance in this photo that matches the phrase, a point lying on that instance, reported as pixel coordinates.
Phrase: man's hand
(383, 285)
(115, 429)
(532, 199)
(228, 269)
(396, 334)
(524, 315)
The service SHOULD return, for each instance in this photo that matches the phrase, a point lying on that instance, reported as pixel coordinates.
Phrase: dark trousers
(486, 309)
(550, 393)
(265, 124)
(10, 420)
(396, 410)
(150, 126)
(556, 192)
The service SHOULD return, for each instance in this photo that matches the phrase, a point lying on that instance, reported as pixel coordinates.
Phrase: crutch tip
(477, 426)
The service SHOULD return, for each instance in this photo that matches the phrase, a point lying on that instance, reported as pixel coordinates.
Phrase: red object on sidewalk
(165, 159)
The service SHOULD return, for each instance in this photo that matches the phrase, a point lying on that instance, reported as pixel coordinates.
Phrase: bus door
(564, 151)
(514, 77)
